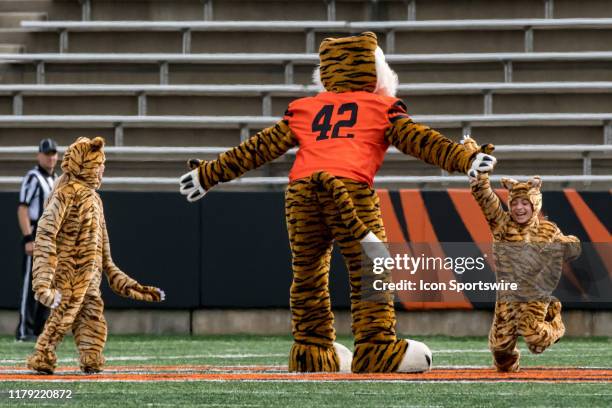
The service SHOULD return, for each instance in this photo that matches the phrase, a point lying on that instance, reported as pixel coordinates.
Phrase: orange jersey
(341, 133)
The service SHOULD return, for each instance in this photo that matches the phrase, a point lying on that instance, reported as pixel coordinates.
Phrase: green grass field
(122, 351)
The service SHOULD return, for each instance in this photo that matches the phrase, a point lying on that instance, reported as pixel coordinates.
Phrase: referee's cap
(47, 146)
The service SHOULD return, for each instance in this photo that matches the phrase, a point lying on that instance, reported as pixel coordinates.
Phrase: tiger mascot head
(529, 191)
(354, 63)
(84, 161)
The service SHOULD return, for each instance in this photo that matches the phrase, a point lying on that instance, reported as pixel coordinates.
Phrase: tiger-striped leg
(377, 349)
(553, 315)
(44, 359)
(89, 330)
(539, 334)
(312, 319)
(503, 337)
(59, 322)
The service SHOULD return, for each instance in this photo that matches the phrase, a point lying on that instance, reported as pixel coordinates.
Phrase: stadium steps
(441, 36)
(168, 161)
(168, 126)
(11, 48)
(14, 19)
(53, 9)
(297, 68)
(323, 10)
(547, 128)
(273, 99)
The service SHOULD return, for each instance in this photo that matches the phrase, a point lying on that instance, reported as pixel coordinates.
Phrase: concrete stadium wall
(278, 322)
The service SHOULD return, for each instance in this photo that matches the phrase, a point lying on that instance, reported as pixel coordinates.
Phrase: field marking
(278, 373)
(149, 358)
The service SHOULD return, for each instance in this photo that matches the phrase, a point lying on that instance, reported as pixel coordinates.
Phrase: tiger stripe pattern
(348, 63)
(314, 221)
(532, 255)
(71, 251)
(263, 147)
(427, 144)
(323, 205)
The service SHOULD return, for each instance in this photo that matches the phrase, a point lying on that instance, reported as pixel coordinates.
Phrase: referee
(35, 189)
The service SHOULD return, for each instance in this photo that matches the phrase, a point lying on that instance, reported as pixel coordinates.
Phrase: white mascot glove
(49, 297)
(483, 163)
(190, 183)
(374, 247)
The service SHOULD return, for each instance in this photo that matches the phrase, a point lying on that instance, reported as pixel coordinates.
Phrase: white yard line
(531, 381)
(149, 358)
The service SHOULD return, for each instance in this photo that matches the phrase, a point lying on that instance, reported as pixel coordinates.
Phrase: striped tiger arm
(262, 148)
(120, 282)
(45, 246)
(489, 202)
(571, 246)
(429, 145)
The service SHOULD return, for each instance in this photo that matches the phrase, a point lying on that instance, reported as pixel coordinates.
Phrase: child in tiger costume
(342, 133)
(529, 251)
(71, 251)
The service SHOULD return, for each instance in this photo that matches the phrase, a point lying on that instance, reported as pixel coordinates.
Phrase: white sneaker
(417, 359)
(345, 356)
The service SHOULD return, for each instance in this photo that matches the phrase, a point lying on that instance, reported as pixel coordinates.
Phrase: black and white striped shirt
(35, 189)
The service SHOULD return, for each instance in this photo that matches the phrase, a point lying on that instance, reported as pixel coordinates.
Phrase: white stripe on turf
(310, 381)
(149, 358)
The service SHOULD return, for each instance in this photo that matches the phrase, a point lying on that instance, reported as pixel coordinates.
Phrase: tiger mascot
(71, 251)
(342, 133)
(529, 251)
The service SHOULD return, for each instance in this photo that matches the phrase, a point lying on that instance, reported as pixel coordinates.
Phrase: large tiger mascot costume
(342, 133)
(71, 251)
(530, 254)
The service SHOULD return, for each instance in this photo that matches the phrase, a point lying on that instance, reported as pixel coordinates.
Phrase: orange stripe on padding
(474, 220)
(503, 195)
(594, 228)
(421, 231)
(596, 231)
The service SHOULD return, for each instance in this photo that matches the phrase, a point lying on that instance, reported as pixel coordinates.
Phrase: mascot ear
(535, 182)
(369, 34)
(97, 144)
(508, 183)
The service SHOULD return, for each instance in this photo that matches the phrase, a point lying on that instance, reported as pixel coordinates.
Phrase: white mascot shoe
(345, 356)
(417, 358)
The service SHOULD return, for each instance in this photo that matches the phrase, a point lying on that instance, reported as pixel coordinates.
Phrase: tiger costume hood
(354, 63)
(82, 160)
(529, 190)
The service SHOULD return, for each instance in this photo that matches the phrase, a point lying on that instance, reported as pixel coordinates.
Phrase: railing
(289, 60)
(380, 180)
(267, 92)
(309, 28)
(181, 153)
(330, 5)
(247, 123)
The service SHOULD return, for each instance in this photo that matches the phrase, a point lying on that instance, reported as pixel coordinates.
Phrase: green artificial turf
(273, 350)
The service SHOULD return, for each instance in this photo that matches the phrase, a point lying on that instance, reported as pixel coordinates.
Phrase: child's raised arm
(488, 201)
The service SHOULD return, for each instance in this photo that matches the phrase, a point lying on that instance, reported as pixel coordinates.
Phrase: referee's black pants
(32, 314)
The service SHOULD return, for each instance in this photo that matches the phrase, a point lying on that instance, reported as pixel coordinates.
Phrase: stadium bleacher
(165, 83)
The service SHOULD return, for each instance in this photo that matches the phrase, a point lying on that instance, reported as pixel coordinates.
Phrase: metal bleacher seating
(155, 77)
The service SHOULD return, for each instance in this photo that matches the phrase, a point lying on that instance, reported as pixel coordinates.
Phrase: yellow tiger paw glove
(146, 293)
